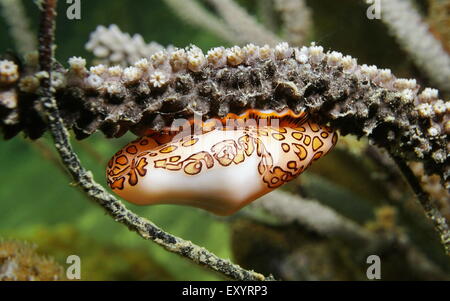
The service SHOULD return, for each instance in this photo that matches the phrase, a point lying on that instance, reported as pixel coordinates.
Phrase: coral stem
(115, 208)
(439, 221)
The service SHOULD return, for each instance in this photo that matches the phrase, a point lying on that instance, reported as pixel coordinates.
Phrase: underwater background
(38, 204)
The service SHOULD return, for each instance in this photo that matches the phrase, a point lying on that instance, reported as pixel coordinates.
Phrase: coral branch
(439, 221)
(267, 14)
(84, 179)
(413, 34)
(111, 46)
(297, 20)
(356, 99)
(379, 236)
(315, 216)
(236, 25)
(193, 13)
(433, 187)
(244, 25)
(19, 27)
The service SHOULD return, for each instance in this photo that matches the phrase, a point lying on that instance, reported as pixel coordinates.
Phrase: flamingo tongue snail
(222, 168)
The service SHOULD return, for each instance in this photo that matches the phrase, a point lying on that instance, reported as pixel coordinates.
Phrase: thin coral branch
(314, 215)
(19, 25)
(413, 34)
(433, 187)
(84, 179)
(439, 221)
(193, 13)
(289, 208)
(244, 25)
(236, 27)
(296, 17)
(267, 14)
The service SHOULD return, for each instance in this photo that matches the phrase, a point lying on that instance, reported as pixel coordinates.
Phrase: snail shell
(221, 168)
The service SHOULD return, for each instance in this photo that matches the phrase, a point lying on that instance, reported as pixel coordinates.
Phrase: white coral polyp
(94, 81)
(196, 59)
(178, 60)
(334, 58)
(158, 79)
(235, 56)
(9, 72)
(428, 95)
(216, 57)
(283, 51)
(132, 74)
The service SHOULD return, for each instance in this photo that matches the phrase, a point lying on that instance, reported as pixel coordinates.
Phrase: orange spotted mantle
(222, 167)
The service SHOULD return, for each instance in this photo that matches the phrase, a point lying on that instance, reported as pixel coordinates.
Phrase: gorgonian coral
(394, 113)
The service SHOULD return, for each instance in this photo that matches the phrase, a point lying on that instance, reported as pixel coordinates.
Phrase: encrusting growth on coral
(20, 262)
(355, 99)
(432, 185)
(385, 221)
